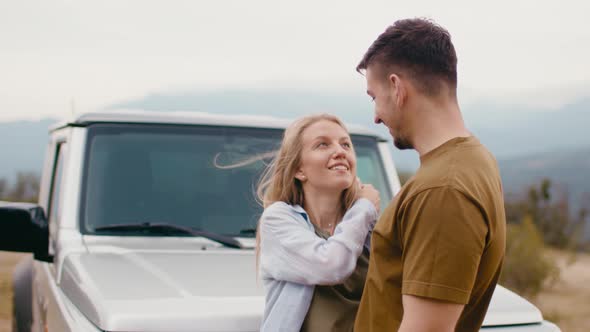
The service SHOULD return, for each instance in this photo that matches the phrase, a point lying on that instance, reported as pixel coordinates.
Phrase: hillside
(567, 168)
(530, 144)
(509, 131)
(565, 163)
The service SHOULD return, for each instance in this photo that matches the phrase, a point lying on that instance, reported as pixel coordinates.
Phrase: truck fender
(22, 285)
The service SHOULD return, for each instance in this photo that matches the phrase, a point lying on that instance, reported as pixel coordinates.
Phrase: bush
(527, 267)
(24, 189)
(552, 214)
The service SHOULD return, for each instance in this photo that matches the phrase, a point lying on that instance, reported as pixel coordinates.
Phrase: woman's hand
(369, 192)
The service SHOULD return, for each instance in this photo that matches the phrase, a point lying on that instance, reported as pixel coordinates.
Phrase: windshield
(198, 177)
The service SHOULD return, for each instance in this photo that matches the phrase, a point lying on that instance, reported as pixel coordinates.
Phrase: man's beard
(402, 143)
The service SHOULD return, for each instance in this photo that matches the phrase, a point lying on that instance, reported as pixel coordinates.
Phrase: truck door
(44, 283)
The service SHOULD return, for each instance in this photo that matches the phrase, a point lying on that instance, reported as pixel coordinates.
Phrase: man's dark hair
(416, 48)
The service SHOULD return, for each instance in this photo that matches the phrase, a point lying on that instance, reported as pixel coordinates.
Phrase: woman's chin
(344, 184)
(337, 183)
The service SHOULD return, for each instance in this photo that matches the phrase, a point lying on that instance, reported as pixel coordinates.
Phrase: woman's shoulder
(283, 210)
(284, 207)
(279, 205)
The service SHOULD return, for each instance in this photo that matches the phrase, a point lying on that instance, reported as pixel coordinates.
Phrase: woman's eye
(322, 144)
(346, 145)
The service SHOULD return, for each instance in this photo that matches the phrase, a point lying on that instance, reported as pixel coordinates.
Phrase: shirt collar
(297, 208)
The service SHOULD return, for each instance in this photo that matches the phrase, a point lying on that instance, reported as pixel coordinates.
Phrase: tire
(22, 283)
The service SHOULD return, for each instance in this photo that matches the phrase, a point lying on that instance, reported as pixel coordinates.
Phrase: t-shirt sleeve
(443, 235)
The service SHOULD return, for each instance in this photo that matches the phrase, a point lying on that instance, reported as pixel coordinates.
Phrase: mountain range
(529, 143)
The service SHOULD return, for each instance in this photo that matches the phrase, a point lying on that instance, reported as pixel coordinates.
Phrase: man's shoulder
(424, 181)
(460, 169)
(442, 191)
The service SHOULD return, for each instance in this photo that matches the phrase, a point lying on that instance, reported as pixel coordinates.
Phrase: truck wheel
(22, 283)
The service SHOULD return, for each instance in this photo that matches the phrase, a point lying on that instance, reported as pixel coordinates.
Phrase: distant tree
(3, 188)
(25, 188)
(551, 213)
(527, 267)
(584, 215)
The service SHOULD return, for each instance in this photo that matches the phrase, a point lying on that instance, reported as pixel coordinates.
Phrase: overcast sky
(90, 54)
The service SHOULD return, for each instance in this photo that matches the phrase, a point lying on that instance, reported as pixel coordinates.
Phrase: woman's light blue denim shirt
(293, 259)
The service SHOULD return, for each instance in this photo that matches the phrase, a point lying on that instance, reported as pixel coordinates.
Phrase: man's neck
(437, 126)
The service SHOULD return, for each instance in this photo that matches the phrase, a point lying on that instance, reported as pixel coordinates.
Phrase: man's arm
(427, 315)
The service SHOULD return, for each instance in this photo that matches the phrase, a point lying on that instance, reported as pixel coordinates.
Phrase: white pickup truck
(146, 222)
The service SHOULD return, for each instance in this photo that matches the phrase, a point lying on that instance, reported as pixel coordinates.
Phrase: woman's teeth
(339, 167)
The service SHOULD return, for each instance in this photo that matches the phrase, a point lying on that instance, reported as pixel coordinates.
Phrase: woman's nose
(339, 152)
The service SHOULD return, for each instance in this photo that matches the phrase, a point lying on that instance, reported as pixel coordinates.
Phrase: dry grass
(7, 262)
(567, 301)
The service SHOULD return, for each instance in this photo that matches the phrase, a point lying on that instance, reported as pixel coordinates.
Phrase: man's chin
(402, 144)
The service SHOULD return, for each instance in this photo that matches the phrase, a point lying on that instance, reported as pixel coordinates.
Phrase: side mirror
(24, 228)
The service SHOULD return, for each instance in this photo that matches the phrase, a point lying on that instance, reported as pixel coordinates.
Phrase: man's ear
(398, 89)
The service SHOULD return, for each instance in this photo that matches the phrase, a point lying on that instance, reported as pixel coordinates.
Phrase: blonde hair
(278, 182)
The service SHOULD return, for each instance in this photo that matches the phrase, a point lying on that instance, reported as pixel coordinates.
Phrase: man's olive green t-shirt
(442, 237)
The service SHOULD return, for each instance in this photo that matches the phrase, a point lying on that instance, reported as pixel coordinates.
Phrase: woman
(316, 220)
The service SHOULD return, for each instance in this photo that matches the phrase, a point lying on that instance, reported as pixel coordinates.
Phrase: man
(437, 249)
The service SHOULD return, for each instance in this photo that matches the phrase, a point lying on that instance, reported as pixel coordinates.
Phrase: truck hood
(507, 308)
(134, 289)
(123, 289)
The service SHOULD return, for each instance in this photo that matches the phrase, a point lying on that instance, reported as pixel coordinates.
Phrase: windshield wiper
(248, 231)
(171, 228)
